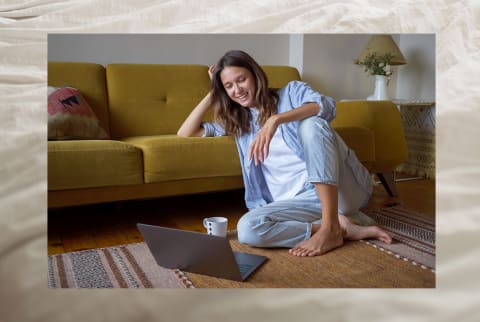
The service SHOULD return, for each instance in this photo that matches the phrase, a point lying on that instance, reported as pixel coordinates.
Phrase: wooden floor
(87, 227)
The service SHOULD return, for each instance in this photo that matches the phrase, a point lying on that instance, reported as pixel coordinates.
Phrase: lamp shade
(381, 45)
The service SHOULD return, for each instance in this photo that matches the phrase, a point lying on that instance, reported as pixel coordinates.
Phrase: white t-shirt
(285, 173)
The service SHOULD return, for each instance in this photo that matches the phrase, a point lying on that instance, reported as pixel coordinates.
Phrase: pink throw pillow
(71, 117)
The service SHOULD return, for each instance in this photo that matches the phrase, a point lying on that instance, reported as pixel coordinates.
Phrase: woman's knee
(247, 231)
(314, 128)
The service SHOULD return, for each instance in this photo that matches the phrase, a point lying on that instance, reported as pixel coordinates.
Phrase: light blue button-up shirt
(294, 95)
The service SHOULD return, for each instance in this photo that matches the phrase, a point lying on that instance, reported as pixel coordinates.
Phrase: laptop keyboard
(244, 268)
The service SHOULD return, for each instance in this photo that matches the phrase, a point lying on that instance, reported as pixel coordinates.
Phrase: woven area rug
(413, 234)
(128, 266)
(407, 263)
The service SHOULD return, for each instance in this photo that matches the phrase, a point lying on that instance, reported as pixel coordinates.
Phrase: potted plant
(380, 67)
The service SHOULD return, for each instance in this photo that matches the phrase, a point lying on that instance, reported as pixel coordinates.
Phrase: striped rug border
(108, 267)
(414, 231)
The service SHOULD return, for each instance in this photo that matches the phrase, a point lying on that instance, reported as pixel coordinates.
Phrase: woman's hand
(260, 146)
(211, 70)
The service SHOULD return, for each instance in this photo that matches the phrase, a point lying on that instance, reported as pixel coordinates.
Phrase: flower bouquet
(378, 64)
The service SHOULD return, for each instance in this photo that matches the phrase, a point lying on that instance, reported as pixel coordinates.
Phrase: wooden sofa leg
(388, 181)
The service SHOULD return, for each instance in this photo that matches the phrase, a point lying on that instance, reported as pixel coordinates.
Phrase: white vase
(380, 92)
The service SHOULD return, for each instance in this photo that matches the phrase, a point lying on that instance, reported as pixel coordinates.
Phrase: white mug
(216, 226)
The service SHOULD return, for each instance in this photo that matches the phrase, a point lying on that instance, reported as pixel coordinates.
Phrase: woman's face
(239, 84)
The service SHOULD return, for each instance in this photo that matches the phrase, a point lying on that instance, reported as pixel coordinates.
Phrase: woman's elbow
(182, 133)
(190, 133)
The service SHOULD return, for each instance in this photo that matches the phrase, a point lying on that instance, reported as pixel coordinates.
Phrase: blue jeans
(328, 160)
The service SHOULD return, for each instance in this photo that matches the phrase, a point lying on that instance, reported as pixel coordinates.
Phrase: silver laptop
(198, 253)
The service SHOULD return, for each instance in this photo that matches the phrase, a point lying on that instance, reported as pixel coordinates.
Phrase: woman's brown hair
(231, 115)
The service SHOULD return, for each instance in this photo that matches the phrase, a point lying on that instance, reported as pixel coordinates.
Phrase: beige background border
(24, 26)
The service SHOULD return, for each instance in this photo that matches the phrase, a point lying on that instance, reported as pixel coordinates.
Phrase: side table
(418, 119)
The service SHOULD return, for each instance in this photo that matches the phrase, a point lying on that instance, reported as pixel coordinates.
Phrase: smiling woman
(238, 81)
(239, 85)
(297, 171)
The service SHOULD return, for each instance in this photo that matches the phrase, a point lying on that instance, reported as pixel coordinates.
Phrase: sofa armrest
(383, 118)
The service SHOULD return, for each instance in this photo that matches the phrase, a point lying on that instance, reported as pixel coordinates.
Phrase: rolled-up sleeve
(212, 129)
(301, 93)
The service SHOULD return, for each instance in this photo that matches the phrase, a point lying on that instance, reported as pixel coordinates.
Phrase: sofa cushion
(170, 157)
(71, 117)
(93, 163)
(280, 76)
(383, 118)
(359, 139)
(89, 79)
(153, 99)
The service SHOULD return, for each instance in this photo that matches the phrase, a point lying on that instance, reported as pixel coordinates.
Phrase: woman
(301, 180)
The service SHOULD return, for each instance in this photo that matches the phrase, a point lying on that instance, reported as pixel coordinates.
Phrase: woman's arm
(192, 124)
(299, 113)
(299, 93)
(260, 145)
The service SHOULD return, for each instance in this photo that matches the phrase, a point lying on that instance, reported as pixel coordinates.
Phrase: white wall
(325, 61)
(296, 51)
(203, 49)
(329, 65)
(419, 72)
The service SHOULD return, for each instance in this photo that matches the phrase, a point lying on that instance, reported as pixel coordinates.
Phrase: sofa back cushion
(279, 76)
(89, 79)
(153, 99)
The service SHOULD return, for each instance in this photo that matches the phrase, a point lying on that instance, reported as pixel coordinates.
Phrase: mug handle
(205, 223)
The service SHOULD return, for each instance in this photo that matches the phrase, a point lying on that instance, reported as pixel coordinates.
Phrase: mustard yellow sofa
(141, 106)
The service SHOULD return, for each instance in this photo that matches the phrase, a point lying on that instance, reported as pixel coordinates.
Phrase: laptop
(198, 253)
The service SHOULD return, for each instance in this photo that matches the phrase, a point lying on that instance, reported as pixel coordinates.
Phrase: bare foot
(319, 243)
(356, 232)
(322, 242)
